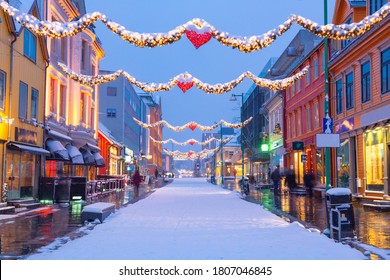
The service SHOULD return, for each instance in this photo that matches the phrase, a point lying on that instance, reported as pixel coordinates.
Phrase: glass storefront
(320, 167)
(343, 164)
(374, 159)
(20, 174)
(298, 167)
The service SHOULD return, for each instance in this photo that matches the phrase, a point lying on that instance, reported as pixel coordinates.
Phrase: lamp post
(233, 98)
(221, 145)
(326, 101)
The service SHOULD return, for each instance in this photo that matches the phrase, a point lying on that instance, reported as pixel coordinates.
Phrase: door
(13, 174)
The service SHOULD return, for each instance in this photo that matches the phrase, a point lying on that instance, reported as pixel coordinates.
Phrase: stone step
(30, 206)
(382, 202)
(18, 202)
(7, 210)
(3, 204)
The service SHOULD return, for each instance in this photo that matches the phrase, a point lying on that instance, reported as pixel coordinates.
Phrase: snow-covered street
(191, 219)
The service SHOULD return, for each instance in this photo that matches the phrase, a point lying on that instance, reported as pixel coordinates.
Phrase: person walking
(136, 182)
(234, 173)
(275, 177)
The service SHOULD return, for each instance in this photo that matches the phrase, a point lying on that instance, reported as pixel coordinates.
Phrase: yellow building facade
(23, 62)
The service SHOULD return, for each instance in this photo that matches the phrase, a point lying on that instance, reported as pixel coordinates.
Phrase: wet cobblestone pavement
(25, 233)
(372, 227)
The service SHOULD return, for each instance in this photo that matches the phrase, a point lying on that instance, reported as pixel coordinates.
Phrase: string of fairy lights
(193, 125)
(185, 81)
(190, 154)
(191, 141)
(198, 31)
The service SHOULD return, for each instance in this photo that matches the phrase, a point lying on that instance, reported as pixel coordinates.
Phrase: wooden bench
(99, 210)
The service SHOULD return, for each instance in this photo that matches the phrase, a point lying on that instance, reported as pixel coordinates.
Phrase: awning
(28, 149)
(75, 156)
(99, 160)
(58, 135)
(87, 156)
(92, 148)
(57, 150)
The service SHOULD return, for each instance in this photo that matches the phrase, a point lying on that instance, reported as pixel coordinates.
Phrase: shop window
(343, 164)
(374, 160)
(34, 103)
(320, 166)
(375, 5)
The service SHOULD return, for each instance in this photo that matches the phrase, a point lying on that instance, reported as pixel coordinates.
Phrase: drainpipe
(10, 102)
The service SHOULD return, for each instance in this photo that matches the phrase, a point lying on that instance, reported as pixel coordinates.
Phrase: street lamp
(233, 98)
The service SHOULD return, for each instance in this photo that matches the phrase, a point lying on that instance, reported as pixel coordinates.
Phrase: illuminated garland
(190, 154)
(191, 141)
(198, 31)
(185, 81)
(193, 125)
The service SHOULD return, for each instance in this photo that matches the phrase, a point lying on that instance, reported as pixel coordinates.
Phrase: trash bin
(212, 179)
(340, 213)
(78, 188)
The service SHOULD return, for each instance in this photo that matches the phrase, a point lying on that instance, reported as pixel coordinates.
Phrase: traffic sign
(327, 125)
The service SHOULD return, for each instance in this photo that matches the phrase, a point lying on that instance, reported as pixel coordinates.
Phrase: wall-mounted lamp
(6, 120)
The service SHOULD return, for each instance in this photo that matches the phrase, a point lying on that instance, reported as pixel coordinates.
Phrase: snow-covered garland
(192, 125)
(191, 141)
(185, 81)
(198, 31)
(190, 154)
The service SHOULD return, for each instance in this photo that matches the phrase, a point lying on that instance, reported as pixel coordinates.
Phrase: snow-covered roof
(104, 130)
(24, 6)
(339, 191)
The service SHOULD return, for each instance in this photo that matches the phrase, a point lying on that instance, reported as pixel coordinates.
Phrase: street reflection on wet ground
(26, 233)
(372, 227)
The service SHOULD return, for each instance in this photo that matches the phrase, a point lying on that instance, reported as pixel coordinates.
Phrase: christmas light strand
(191, 141)
(193, 125)
(185, 81)
(198, 31)
(190, 154)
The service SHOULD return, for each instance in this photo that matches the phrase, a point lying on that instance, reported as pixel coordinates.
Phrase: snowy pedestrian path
(191, 219)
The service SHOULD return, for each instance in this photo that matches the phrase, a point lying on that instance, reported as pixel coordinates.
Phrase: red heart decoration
(189, 154)
(192, 126)
(184, 86)
(192, 142)
(198, 36)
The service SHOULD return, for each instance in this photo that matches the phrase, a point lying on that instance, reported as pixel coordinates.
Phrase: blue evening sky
(212, 63)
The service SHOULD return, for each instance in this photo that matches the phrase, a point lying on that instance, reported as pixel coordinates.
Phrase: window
(323, 62)
(375, 5)
(349, 91)
(385, 71)
(316, 66)
(308, 77)
(23, 100)
(92, 124)
(292, 90)
(316, 115)
(34, 103)
(84, 47)
(111, 91)
(299, 125)
(63, 49)
(2, 89)
(52, 95)
(111, 113)
(308, 119)
(366, 82)
(299, 85)
(82, 107)
(62, 99)
(345, 43)
(339, 96)
(30, 45)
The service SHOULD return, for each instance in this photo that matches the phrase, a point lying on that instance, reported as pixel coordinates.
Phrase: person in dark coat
(275, 177)
(290, 179)
(136, 182)
(309, 181)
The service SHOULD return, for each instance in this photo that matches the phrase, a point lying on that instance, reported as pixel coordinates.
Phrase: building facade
(360, 89)
(23, 61)
(111, 151)
(71, 109)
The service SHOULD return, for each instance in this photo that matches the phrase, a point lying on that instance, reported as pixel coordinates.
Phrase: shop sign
(345, 125)
(328, 140)
(25, 136)
(276, 144)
